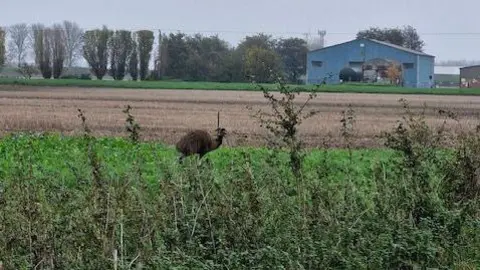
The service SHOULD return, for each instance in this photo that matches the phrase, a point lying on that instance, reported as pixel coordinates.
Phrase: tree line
(406, 36)
(120, 52)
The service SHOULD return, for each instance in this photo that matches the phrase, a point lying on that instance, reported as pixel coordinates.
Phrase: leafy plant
(132, 127)
(27, 70)
(284, 119)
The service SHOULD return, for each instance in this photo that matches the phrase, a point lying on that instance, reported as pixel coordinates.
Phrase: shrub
(27, 70)
(83, 76)
(284, 119)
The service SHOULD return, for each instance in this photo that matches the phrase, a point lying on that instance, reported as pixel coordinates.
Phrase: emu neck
(219, 141)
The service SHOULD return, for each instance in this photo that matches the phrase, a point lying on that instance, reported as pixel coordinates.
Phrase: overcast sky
(234, 19)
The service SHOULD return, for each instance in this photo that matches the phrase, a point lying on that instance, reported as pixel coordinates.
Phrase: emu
(199, 142)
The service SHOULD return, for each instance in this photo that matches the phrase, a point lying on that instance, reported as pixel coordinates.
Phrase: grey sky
(341, 19)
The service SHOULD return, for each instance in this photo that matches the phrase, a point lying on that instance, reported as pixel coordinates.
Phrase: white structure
(317, 42)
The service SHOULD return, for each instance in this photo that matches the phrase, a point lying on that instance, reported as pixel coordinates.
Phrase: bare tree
(73, 42)
(133, 59)
(145, 46)
(58, 41)
(157, 73)
(2, 48)
(42, 47)
(95, 50)
(120, 47)
(20, 41)
(27, 70)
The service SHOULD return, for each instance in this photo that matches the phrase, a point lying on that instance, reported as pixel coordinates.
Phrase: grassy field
(448, 79)
(108, 203)
(347, 88)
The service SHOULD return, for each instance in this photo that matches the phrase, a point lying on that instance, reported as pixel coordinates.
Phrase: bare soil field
(165, 115)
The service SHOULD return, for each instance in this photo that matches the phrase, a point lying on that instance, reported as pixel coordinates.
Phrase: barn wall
(426, 69)
(330, 60)
(470, 72)
(470, 76)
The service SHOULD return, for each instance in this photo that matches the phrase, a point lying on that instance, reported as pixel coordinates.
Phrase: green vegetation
(406, 36)
(118, 52)
(95, 50)
(447, 80)
(64, 203)
(103, 203)
(145, 47)
(173, 84)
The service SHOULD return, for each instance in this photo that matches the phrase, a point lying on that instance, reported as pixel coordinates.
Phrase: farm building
(370, 60)
(470, 76)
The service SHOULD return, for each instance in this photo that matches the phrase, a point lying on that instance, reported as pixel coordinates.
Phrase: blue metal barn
(326, 63)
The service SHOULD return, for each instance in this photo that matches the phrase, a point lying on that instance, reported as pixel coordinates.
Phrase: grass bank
(69, 202)
(347, 88)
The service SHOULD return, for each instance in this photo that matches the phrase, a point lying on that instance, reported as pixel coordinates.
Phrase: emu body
(199, 142)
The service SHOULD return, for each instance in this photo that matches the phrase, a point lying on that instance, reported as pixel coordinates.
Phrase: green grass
(455, 78)
(56, 154)
(346, 88)
(68, 205)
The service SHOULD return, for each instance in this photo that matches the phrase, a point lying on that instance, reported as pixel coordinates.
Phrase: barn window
(407, 65)
(317, 63)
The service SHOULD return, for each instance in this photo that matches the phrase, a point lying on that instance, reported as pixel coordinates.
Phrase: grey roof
(467, 67)
(380, 42)
(400, 47)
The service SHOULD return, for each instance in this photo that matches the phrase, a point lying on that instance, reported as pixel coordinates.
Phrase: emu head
(221, 132)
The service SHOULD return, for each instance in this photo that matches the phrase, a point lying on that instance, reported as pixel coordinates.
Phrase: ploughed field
(165, 115)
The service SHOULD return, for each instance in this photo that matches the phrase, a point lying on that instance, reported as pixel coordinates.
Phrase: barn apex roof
(400, 47)
(468, 67)
(382, 43)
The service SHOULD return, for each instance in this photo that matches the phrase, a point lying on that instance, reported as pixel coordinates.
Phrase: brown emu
(199, 142)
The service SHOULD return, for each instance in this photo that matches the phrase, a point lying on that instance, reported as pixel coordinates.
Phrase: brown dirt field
(165, 115)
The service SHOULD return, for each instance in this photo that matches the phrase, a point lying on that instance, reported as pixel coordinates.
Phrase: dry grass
(166, 114)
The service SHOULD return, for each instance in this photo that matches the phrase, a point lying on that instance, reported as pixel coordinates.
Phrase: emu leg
(180, 159)
(200, 156)
(206, 159)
